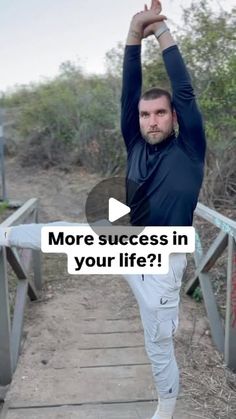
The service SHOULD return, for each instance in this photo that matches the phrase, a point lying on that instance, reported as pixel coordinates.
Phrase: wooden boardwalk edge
(123, 410)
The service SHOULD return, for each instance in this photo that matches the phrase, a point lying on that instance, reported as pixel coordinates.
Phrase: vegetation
(197, 295)
(74, 119)
(3, 207)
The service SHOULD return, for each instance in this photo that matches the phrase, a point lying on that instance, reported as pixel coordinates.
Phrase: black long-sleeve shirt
(168, 175)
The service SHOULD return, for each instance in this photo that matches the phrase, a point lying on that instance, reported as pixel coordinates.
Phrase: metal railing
(223, 331)
(20, 261)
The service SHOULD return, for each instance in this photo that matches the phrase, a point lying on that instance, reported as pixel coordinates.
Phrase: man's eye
(145, 115)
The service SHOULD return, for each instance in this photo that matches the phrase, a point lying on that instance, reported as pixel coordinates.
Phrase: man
(168, 170)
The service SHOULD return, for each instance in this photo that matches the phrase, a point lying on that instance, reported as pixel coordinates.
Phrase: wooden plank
(215, 321)
(131, 410)
(89, 411)
(18, 320)
(213, 253)
(98, 358)
(230, 320)
(21, 214)
(225, 224)
(18, 268)
(104, 326)
(123, 340)
(5, 324)
(76, 385)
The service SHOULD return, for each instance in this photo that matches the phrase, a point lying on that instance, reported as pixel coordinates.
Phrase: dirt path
(62, 197)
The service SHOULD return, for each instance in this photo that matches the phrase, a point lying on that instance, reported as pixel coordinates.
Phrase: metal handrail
(11, 331)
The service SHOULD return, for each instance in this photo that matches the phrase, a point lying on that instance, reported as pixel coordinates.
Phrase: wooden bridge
(96, 368)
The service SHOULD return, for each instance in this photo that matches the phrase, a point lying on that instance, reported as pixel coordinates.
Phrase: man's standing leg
(158, 300)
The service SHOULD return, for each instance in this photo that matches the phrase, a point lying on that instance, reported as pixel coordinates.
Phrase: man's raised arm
(191, 131)
(132, 75)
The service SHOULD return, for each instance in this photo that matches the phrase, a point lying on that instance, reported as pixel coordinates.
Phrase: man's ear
(175, 122)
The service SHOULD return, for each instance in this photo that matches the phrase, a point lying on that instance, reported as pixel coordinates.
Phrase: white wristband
(164, 28)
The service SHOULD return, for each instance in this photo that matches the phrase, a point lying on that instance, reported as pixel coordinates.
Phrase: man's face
(156, 119)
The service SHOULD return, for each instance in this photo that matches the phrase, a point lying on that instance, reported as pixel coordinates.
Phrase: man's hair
(155, 93)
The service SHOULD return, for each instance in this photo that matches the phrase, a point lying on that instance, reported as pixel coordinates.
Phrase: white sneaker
(156, 416)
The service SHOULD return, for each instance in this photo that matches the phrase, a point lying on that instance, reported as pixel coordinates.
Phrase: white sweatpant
(158, 300)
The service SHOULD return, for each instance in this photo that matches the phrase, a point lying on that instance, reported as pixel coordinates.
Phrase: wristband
(164, 28)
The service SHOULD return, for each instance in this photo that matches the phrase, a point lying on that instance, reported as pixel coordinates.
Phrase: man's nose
(153, 120)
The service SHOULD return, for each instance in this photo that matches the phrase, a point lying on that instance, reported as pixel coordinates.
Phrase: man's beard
(156, 137)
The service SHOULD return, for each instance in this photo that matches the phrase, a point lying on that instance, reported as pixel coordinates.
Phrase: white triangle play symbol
(116, 210)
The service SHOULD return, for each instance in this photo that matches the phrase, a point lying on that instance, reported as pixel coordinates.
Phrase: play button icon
(113, 202)
(107, 201)
(117, 210)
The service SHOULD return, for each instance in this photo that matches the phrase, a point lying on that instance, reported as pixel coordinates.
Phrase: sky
(36, 36)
